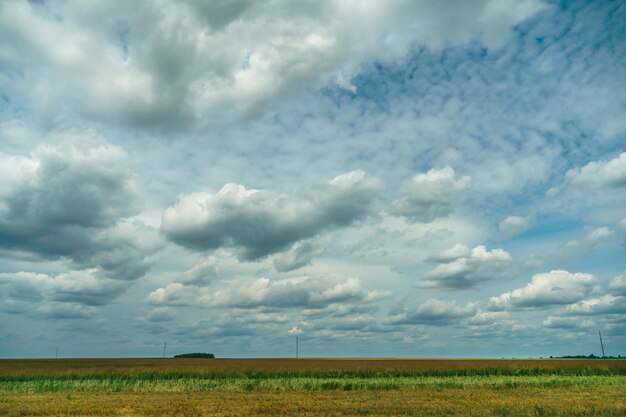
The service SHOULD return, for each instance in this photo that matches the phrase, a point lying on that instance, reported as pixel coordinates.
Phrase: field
(324, 387)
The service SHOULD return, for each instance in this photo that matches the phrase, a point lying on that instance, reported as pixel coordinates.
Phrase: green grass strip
(303, 383)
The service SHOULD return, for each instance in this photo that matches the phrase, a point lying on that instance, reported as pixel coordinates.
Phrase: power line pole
(164, 346)
(297, 353)
(56, 355)
(601, 344)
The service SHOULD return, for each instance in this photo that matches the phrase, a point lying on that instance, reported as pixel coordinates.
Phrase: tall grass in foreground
(124, 384)
(313, 387)
(123, 375)
(254, 374)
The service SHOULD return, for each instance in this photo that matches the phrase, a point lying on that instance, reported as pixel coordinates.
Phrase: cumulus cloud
(72, 201)
(435, 312)
(164, 62)
(160, 314)
(484, 318)
(513, 225)
(86, 287)
(460, 268)
(566, 323)
(303, 292)
(576, 249)
(66, 311)
(547, 289)
(457, 251)
(82, 186)
(618, 284)
(430, 195)
(203, 273)
(607, 304)
(596, 175)
(299, 255)
(298, 328)
(260, 223)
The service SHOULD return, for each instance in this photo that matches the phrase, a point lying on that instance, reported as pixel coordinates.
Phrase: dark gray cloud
(435, 313)
(85, 287)
(65, 186)
(160, 314)
(460, 268)
(71, 201)
(65, 312)
(260, 223)
(43, 308)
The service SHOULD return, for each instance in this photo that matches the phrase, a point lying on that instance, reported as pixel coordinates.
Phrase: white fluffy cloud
(576, 249)
(547, 289)
(618, 284)
(607, 304)
(448, 255)
(487, 318)
(300, 254)
(566, 323)
(461, 268)
(513, 225)
(435, 312)
(164, 62)
(430, 195)
(600, 174)
(204, 273)
(303, 292)
(260, 222)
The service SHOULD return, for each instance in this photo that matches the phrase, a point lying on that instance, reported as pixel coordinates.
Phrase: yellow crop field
(312, 387)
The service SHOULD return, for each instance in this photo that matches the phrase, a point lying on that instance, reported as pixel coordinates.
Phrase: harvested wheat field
(313, 387)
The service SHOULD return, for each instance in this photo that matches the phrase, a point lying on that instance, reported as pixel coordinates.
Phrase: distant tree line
(196, 355)
(592, 356)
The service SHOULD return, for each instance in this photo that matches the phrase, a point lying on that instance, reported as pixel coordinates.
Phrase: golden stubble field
(312, 387)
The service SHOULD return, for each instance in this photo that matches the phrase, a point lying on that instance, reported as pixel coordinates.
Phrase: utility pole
(56, 355)
(601, 344)
(297, 353)
(164, 346)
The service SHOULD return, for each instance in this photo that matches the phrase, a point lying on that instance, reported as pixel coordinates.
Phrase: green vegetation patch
(117, 384)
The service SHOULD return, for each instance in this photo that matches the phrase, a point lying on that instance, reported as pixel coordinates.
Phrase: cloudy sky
(380, 178)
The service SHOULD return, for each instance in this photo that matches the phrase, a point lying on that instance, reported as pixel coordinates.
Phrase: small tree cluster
(196, 355)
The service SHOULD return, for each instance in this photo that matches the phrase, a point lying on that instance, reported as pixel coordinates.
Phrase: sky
(378, 178)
